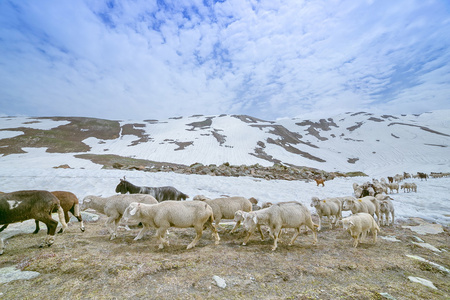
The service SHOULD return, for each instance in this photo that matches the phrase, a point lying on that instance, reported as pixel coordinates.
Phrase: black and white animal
(160, 193)
(32, 204)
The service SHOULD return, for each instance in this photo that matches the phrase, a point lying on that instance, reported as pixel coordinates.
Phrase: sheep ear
(255, 219)
(351, 223)
(135, 209)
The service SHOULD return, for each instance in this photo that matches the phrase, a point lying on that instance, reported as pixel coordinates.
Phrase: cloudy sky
(145, 59)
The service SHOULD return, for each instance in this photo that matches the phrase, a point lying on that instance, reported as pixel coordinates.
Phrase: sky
(271, 59)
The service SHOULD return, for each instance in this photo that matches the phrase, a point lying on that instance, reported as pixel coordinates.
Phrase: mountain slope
(346, 142)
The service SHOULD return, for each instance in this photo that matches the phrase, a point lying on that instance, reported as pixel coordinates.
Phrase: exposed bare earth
(87, 265)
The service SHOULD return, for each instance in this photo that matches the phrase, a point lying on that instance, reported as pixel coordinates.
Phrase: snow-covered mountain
(374, 144)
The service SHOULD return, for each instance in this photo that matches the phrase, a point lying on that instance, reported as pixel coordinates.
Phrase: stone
(423, 281)
(9, 274)
(220, 282)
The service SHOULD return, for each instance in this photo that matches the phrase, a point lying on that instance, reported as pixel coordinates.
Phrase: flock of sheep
(371, 199)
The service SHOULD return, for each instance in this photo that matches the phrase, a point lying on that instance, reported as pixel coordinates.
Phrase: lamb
(358, 225)
(367, 204)
(406, 187)
(329, 207)
(31, 204)
(225, 208)
(392, 187)
(114, 207)
(281, 215)
(386, 208)
(173, 214)
(68, 202)
(240, 216)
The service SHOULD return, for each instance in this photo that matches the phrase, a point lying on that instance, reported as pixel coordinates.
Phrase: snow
(430, 202)
(35, 168)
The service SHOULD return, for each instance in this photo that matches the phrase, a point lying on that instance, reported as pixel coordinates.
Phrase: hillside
(374, 144)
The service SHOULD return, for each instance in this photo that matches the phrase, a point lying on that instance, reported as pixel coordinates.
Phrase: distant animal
(68, 202)
(390, 179)
(422, 175)
(31, 204)
(320, 181)
(160, 193)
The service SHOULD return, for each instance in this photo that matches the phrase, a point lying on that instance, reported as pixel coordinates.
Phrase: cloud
(269, 59)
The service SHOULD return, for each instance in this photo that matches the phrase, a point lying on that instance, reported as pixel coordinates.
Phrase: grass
(90, 266)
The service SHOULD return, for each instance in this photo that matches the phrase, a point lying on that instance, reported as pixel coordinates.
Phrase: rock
(390, 238)
(422, 281)
(9, 274)
(439, 267)
(65, 166)
(387, 296)
(425, 227)
(427, 246)
(220, 282)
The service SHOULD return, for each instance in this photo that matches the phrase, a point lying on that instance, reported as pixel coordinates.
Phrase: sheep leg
(297, 232)
(3, 227)
(235, 226)
(37, 227)
(355, 241)
(215, 234)
(160, 233)
(260, 232)
(374, 232)
(111, 228)
(276, 234)
(392, 213)
(199, 231)
(320, 223)
(249, 233)
(145, 228)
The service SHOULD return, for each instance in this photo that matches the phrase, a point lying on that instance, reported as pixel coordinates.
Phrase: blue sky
(269, 59)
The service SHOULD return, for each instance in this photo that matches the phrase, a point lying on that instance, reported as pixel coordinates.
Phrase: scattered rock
(387, 296)
(220, 282)
(9, 274)
(437, 266)
(390, 238)
(422, 281)
(427, 246)
(425, 227)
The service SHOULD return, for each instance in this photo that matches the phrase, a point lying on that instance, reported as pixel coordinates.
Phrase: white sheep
(225, 208)
(240, 216)
(329, 207)
(392, 187)
(358, 225)
(366, 204)
(281, 215)
(171, 213)
(342, 200)
(386, 209)
(406, 187)
(414, 187)
(114, 207)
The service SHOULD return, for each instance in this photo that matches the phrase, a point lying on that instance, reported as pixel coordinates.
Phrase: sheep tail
(76, 210)
(62, 219)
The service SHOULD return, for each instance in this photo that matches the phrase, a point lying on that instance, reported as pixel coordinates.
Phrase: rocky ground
(90, 266)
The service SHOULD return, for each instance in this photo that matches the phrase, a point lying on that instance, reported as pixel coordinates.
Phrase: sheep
(173, 214)
(225, 208)
(392, 187)
(367, 204)
(240, 216)
(414, 187)
(406, 187)
(281, 215)
(358, 225)
(114, 207)
(386, 208)
(31, 204)
(68, 202)
(329, 207)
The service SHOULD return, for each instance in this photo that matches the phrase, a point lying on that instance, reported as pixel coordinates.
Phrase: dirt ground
(90, 266)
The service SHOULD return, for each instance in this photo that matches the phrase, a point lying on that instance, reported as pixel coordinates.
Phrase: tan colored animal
(358, 225)
(171, 213)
